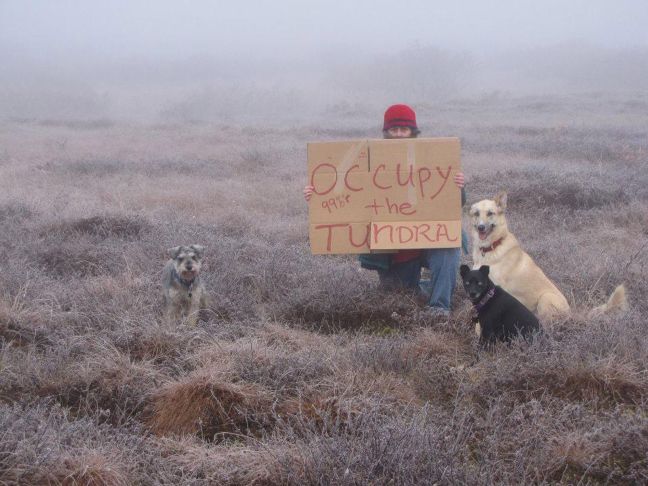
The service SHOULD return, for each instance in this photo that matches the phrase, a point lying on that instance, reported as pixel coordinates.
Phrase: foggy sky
(203, 60)
(117, 30)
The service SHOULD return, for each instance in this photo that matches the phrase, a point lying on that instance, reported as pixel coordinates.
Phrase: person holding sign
(402, 268)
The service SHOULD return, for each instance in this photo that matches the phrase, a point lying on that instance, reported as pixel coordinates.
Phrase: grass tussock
(87, 379)
(567, 374)
(380, 450)
(606, 383)
(115, 391)
(209, 408)
(20, 326)
(434, 345)
(91, 469)
(42, 444)
(568, 195)
(74, 260)
(105, 227)
(616, 455)
(234, 464)
(154, 344)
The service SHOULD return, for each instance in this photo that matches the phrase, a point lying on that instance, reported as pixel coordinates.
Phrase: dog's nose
(481, 227)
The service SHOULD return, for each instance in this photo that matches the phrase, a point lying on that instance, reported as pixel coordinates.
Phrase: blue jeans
(404, 275)
(444, 266)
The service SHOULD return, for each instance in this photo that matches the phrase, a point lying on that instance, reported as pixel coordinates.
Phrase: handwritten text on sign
(384, 194)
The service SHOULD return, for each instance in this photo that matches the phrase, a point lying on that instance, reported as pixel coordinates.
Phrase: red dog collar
(492, 247)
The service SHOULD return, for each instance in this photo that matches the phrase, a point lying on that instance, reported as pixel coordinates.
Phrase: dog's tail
(617, 302)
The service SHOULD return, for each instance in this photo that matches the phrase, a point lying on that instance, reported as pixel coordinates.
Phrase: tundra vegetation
(300, 371)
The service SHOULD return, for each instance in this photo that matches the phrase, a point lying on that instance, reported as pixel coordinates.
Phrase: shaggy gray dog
(184, 293)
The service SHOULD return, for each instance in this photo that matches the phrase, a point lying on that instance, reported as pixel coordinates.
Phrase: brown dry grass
(206, 407)
(613, 454)
(91, 469)
(300, 371)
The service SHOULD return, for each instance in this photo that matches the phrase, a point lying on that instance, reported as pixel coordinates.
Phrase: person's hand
(308, 192)
(459, 179)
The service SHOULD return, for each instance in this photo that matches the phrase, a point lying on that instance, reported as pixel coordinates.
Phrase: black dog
(500, 315)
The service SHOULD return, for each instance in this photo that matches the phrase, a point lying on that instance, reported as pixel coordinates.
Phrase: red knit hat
(400, 116)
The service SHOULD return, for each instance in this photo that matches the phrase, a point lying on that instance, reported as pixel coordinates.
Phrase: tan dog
(184, 294)
(514, 270)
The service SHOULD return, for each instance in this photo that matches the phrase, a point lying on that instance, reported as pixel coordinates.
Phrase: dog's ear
(198, 249)
(174, 252)
(463, 270)
(501, 199)
(484, 269)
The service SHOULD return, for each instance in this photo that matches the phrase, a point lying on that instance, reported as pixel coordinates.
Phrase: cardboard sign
(384, 195)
